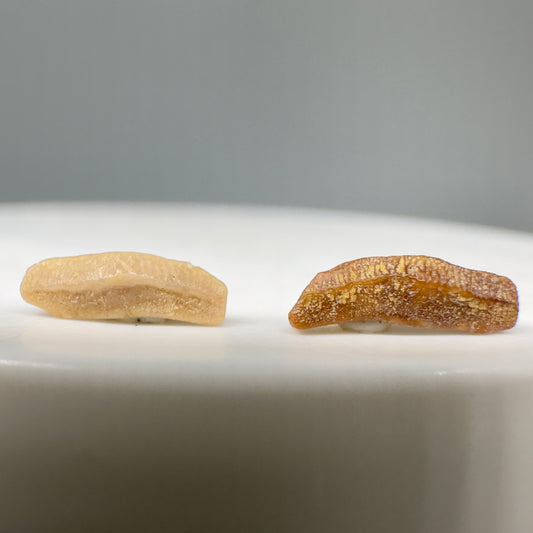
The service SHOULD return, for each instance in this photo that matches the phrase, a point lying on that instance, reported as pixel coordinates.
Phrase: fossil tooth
(411, 290)
(124, 285)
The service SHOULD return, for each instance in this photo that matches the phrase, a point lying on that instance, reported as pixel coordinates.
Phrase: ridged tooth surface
(410, 290)
(122, 285)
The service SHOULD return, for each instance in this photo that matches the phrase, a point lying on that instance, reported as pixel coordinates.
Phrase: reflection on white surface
(112, 341)
(32, 364)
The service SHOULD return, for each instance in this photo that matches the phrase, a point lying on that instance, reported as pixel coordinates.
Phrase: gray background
(416, 106)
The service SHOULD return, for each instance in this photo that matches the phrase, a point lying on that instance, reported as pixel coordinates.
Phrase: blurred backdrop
(414, 106)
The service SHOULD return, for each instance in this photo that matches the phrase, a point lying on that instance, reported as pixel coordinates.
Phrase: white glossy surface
(266, 257)
(253, 424)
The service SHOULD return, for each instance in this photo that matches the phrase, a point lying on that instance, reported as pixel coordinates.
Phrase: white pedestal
(254, 426)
